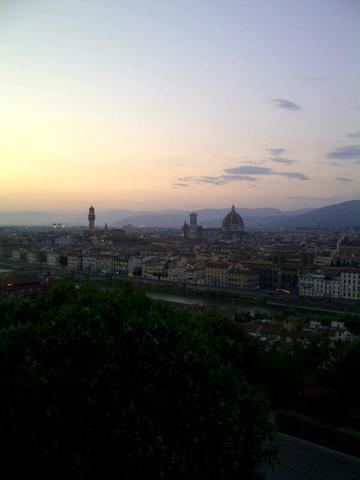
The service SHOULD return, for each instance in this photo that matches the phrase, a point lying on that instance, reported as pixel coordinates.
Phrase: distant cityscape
(308, 264)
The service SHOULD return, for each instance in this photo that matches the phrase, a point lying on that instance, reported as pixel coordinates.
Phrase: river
(231, 304)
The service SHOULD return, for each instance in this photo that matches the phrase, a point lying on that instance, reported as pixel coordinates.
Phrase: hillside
(344, 214)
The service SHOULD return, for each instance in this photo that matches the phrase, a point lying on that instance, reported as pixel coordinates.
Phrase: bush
(110, 384)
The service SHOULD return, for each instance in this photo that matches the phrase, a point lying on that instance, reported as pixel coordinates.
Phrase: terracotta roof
(232, 218)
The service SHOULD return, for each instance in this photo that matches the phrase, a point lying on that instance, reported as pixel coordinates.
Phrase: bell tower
(91, 218)
(193, 225)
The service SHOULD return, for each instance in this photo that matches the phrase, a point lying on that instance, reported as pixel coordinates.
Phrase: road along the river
(302, 460)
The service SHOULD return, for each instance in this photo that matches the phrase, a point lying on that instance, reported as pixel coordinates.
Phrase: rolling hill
(344, 214)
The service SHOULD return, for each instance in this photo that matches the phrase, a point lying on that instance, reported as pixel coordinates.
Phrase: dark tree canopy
(109, 384)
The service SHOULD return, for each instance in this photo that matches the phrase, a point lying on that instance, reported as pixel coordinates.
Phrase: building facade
(319, 285)
(350, 284)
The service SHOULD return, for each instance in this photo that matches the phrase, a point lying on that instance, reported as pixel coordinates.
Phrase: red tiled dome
(233, 221)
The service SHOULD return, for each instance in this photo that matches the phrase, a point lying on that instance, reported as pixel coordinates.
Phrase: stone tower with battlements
(91, 218)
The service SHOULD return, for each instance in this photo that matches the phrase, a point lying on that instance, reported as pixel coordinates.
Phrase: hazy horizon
(84, 211)
(150, 217)
(164, 105)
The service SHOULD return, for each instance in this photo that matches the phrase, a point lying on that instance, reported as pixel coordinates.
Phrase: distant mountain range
(345, 214)
(341, 214)
(211, 218)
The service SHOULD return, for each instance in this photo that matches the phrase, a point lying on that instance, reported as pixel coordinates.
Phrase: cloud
(237, 178)
(243, 173)
(208, 179)
(286, 104)
(354, 135)
(344, 179)
(348, 152)
(252, 170)
(297, 175)
(276, 151)
(185, 179)
(223, 179)
(285, 161)
(180, 185)
(275, 156)
(249, 170)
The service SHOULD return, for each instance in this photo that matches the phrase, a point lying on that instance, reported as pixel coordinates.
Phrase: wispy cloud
(348, 152)
(185, 179)
(286, 104)
(221, 179)
(275, 156)
(285, 161)
(182, 185)
(252, 170)
(245, 173)
(344, 179)
(296, 175)
(354, 135)
(275, 151)
(248, 170)
(237, 178)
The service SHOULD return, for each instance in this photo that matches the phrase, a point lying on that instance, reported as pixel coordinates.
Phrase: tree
(99, 383)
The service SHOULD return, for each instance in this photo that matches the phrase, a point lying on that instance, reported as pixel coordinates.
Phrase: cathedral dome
(233, 221)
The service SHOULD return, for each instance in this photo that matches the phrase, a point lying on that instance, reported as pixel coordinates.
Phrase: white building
(319, 285)
(89, 264)
(350, 284)
(344, 285)
(120, 265)
(104, 265)
(33, 257)
(53, 259)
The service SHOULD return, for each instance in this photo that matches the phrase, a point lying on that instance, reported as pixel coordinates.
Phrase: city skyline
(179, 106)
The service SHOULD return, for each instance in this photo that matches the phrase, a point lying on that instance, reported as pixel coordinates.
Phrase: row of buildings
(345, 284)
(199, 270)
(293, 275)
(313, 263)
(292, 330)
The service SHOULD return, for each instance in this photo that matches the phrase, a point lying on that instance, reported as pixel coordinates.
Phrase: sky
(179, 104)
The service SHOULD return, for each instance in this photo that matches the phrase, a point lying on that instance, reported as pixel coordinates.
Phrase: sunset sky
(179, 104)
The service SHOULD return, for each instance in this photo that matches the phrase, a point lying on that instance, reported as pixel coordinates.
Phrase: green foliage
(344, 374)
(111, 384)
(288, 370)
(317, 379)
